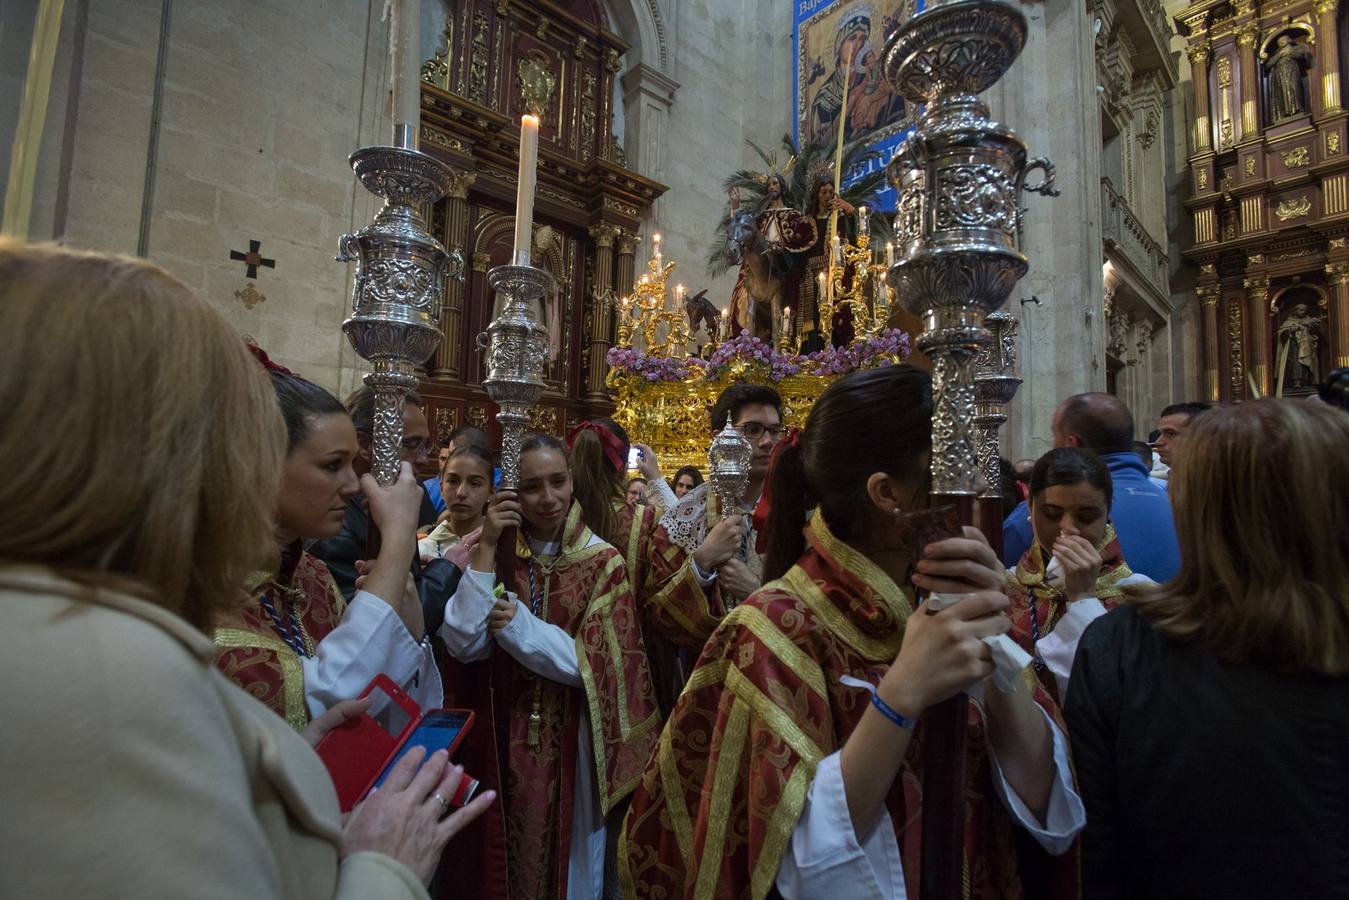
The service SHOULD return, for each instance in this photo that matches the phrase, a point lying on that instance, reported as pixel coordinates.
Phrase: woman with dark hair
(776, 770)
(685, 479)
(466, 486)
(298, 647)
(1210, 715)
(678, 609)
(1074, 570)
(579, 716)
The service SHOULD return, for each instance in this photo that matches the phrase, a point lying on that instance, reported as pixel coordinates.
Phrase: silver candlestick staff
(399, 286)
(995, 383)
(959, 177)
(516, 343)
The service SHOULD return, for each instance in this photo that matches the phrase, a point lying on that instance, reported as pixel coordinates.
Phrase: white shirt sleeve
(541, 648)
(1059, 647)
(1065, 815)
(660, 495)
(824, 857)
(370, 640)
(465, 628)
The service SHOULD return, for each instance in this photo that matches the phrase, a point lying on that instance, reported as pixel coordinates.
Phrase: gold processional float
(663, 390)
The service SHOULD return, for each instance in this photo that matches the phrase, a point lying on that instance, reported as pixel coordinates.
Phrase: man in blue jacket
(1141, 511)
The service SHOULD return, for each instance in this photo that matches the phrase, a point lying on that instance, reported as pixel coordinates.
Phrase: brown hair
(844, 443)
(148, 459)
(1261, 497)
(596, 484)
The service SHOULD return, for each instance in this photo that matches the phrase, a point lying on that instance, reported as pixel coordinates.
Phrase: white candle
(679, 296)
(524, 197)
(655, 241)
(838, 251)
(862, 221)
(787, 321)
(889, 253)
(819, 289)
(404, 27)
(725, 324)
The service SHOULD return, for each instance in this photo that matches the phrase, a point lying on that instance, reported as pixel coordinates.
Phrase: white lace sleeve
(686, 522)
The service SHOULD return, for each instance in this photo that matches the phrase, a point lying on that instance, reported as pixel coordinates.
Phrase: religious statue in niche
(1287, 67)
(1299, 340)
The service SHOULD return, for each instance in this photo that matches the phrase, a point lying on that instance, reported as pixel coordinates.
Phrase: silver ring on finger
(445, 804)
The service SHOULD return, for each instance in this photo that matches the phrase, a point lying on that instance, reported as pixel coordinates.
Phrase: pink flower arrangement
(883, 349)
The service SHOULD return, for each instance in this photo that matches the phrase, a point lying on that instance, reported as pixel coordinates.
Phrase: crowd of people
(670, 699)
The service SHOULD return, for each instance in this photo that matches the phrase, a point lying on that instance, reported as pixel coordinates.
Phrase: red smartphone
(360, 752)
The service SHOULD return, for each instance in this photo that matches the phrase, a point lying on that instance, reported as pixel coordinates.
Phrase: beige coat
(131, 767)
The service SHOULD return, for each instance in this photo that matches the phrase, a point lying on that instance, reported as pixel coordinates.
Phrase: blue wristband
(885, 709)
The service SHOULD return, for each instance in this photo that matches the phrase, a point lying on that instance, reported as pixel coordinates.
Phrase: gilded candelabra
(856, 260)
(648, 310)
(399, 286)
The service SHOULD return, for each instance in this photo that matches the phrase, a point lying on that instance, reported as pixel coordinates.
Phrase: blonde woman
(1210, 716)
(143, 453)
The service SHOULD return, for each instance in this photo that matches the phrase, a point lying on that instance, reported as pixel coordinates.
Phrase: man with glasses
(725, 553)
(340, 553)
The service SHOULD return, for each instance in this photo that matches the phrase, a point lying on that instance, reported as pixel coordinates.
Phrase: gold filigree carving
(1208, 269)
(1201, 179)
(1333, 142)
(436, 70)
(1293, 209)
(1297, 158)
(536, 82)
(441, 139)
(587, 115)
(1255, 259)
(477, 417)
(1338, 243)
(619, 206)
(482, 261)
(1224, 71)
(611, 63)
(1250, 166)
(579, 51)
(477, 60)
(1237, 372)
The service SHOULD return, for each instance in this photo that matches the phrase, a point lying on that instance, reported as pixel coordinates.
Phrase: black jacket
(1204, 779)
(436, 581)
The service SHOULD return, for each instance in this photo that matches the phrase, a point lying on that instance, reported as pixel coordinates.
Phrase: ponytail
(595, 485)
(787, 496)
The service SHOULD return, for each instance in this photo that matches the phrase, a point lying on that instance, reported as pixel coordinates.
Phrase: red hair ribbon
(610, 443)
(261, 356)
(763, 510)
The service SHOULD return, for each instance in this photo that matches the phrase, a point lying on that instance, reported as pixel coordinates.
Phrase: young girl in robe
(571, 700)
(679, 611)
(465, 486)
(298, 647)
(778, 770)
(1074, 570)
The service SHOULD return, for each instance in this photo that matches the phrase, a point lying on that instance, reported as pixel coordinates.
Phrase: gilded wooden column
(602, 306)
(1328, 56)
(447, 364)
(1257, 324)
(627, 273)
(1199, 56)
(1337, 274)
(1247, 35)
(1208, 297)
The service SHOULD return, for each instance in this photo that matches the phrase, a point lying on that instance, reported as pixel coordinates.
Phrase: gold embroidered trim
(785, 817)
(292, 673)
(898, 599)
(723, 785)
(870, 649)
(687, 581)
(801, 664)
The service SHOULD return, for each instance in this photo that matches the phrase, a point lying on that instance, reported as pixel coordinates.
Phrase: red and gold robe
(677, 613)
(721, 798)
(254, 656)
(588, 596)
(1027, 584)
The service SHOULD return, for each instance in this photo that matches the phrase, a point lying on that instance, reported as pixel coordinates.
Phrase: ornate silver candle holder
(959, 177)
(516, 343)
(399, 286)
(729, 460)
(995, 383)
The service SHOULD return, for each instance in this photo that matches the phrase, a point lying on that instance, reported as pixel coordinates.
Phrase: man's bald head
(1097, 422)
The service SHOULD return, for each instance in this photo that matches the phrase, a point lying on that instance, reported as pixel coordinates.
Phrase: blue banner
(824, 34)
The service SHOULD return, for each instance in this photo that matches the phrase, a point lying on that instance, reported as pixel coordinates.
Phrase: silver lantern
(729, 460)
(516, 343)
(399, 286)
(995, 383)
(959, 178)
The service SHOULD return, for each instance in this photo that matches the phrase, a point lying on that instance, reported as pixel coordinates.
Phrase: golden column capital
(1257, 286)
(1199, 53)
(1248, 33)
(460, 183)
(627, 242)
(1326, 6)
(1337, 273)
(1207, 294)
(604, 234)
